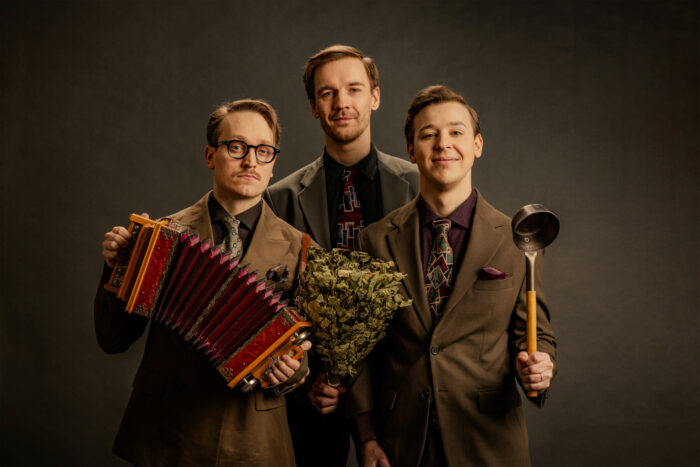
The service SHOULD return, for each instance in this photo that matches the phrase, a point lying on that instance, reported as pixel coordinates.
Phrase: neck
(443, 202)
(235, 205)
(349, 153)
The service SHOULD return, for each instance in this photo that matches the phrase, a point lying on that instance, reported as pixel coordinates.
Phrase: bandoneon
(204, 295)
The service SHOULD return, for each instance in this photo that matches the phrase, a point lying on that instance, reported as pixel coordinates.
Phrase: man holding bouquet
(440, 389)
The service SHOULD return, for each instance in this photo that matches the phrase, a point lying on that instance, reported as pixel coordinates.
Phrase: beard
(347, 134)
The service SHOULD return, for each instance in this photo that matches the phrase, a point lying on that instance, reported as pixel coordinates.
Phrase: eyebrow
(430, 125)
(245, 140)
(351, 84)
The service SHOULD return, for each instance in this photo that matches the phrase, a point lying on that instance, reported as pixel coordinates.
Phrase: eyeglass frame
(275, 149)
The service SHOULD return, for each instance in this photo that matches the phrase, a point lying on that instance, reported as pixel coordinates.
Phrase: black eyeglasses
(237, 149)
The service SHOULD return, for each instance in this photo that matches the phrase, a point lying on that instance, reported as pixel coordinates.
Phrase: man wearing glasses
(181, 412)
(350, 186)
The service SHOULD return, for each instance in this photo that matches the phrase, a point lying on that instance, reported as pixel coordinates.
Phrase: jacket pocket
(267, 400)
(494, 284)
(149, 382)
(498, 400)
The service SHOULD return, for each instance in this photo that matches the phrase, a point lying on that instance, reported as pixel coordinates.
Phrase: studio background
(590, 108)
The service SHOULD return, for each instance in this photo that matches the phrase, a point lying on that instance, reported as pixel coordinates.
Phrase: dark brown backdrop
(588, 107)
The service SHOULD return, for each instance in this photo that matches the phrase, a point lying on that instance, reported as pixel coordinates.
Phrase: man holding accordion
(180, 411)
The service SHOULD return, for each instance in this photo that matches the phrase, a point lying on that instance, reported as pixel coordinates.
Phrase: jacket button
(435, 349)
(425, 395)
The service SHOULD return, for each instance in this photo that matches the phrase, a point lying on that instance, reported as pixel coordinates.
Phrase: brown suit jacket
(300, 198)
(181, 412)
(465, 364)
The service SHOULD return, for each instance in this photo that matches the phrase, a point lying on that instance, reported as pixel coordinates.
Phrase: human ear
(209, 156)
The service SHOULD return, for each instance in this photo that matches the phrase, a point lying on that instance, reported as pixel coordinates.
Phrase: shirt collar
(461, 216)
(247, 218)
(367, 165)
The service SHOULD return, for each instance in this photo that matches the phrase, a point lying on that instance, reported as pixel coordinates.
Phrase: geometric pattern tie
(349, 213)
(438, 277)
(232, 242)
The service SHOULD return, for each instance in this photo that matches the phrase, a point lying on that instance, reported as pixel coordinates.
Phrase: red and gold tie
(349, 213)
(438, 277)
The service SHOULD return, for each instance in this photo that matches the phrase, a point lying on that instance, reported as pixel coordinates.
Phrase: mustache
(248, 172)
(343, 114)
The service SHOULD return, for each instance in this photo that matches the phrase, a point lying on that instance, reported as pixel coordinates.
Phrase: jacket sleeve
(116, 329)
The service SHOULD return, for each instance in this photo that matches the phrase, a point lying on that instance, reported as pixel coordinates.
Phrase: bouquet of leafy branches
(350, 298)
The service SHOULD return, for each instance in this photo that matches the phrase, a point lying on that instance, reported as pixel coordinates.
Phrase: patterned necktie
(232, 242)
(438, 278)
(349, 213)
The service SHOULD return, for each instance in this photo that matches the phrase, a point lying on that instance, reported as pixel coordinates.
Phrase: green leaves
(350, 298)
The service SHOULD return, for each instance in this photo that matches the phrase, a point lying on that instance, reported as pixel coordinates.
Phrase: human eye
(237, 146)
(428, 135)
(325, 94)
(456, 132)
(265, 151)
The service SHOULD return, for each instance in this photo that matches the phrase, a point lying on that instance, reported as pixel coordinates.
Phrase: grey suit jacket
(464, 365)
(300, 198)
(181, 411)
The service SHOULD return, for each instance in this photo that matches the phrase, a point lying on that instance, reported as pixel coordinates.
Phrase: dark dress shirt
(458, 235)
(248, 220)
(366, 186)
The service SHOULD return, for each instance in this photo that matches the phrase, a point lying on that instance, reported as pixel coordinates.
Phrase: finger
(272, 379)
(120, 231)
(291, 363)
(145, 214)
(522, 356)
(324, 389)
(306, 346)
(282, 372)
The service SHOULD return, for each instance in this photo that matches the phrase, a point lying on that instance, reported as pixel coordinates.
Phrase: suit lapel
(196, 218)
(395, 190)
(404, 243)
(486, 236)
(267, 247)
(312, 199)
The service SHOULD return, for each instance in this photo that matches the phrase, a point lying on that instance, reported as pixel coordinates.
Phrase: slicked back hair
(254, 105)
(432, 95)
(331, 54)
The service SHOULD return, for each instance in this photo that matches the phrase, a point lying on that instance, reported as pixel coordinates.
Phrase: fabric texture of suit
(181, 412)
(464, 365)
(300, 198)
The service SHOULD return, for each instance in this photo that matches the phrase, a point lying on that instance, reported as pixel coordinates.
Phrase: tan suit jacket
(465, 364)
(181, 412)
(300, 198)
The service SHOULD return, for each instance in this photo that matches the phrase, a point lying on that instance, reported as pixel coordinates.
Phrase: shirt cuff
(363, 428)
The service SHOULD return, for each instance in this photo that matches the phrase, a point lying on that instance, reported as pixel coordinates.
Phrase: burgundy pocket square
(492, 274)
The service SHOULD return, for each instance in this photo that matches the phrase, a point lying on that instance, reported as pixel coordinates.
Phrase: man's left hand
(286, 366)
(535, 370)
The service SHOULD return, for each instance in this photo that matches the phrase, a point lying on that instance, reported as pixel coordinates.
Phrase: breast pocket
(494, 284)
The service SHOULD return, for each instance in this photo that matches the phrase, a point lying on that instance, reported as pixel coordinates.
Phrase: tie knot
(442, 226)
(231, 223)
(349, 175)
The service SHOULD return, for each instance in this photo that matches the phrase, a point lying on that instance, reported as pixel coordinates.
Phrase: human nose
(250, 159)
(443, 141)
(341, 100)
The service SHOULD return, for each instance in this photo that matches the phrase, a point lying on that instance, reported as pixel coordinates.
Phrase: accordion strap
(305, 242)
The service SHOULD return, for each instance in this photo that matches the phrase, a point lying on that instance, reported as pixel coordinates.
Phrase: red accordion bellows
(202, 294)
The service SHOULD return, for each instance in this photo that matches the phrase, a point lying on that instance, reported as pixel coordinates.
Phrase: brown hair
(332, 53)
(255, 105)
(435, 95)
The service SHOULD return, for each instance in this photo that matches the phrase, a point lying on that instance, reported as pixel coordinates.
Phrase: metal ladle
(534, 227)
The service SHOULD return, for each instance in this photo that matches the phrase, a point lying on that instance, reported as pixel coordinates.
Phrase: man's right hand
(373, 455)
(115, 242)
(323, 396)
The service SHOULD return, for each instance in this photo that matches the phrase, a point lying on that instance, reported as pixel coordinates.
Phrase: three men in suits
(440, 388)
(181, 412)
(351, 185)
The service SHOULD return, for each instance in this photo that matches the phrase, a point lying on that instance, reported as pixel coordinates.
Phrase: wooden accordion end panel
(205, 296)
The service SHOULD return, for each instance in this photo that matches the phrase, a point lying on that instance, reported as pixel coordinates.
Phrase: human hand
(323, 396)
(535, 370)
(115, 243)
(373, 455)
(285, 367)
